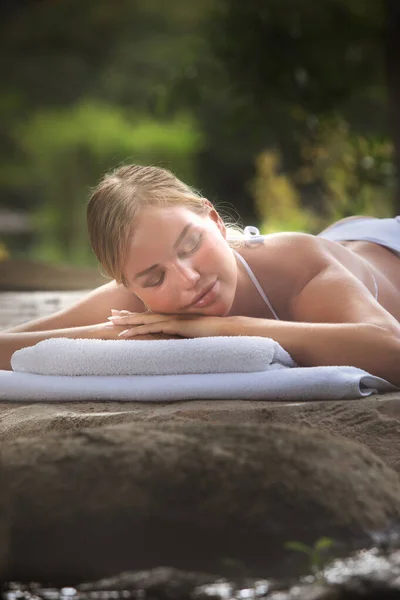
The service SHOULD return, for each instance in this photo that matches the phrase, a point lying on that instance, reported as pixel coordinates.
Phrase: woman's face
(176, 255)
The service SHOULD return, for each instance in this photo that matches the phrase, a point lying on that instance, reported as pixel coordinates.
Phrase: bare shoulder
(284, 263)
(296, 257)
(312, 277)
(92, 308)
(288, 243)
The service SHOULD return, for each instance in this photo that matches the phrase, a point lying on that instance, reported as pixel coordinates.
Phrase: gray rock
(5, 520)
(100, 501)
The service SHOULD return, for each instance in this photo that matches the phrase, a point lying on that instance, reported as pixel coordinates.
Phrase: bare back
(282, 272)
(386, 267)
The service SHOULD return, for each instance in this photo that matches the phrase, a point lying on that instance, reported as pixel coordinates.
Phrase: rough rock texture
(5, 520)
(100, 501)
(369, 575)
(373, 421)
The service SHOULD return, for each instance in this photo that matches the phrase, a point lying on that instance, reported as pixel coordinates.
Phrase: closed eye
(157, 283)
(195, 244)
(192, 248)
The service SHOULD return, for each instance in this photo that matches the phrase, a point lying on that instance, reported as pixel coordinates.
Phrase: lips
(201, 294)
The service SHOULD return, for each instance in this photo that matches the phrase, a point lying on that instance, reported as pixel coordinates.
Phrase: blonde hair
(118, 199)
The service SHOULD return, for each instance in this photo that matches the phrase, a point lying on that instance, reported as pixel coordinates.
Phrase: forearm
(11, 342)
(361, 345)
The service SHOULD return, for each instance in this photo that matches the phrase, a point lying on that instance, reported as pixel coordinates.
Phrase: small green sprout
(316, 553)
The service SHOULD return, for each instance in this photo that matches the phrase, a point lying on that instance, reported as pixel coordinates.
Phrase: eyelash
(159, 282)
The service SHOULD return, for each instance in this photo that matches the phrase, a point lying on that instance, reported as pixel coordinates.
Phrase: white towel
(277, 383)
(280, 378)
(231, 354)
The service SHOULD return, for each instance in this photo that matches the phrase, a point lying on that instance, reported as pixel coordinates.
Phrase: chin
(220, 311)
(227, 309)
(217, 313)
(208, 311)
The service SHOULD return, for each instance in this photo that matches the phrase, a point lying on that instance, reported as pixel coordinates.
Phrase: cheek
(163, 300)
(160, 300)
(212, 257)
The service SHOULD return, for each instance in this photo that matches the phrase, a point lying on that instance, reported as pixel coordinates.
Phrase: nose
(186, 273)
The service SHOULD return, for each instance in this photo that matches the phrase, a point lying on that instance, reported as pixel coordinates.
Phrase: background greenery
(283, 110)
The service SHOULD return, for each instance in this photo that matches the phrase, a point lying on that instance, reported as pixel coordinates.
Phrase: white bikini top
(252, 235)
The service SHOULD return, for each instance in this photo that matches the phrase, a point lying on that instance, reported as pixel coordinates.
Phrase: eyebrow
(178, 241)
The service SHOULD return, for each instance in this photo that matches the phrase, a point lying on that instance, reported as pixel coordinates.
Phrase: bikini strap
(256, 283)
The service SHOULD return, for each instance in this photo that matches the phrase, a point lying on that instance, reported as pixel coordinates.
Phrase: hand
(188, 326)
(108, 331)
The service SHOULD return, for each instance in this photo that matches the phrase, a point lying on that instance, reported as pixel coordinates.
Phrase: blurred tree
(67, 150)
(57, 54)
(292, 51)
(288, 68)
(259, 78)
(277, 199)
(353, 174)
(392, 37)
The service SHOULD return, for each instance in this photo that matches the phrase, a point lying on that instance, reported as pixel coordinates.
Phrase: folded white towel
(232, 354)
(277, 383)
(249, 368)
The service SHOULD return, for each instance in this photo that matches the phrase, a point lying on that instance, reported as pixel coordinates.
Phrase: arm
(85, 319)
(93, 308)
(336, 321)
(11, 342)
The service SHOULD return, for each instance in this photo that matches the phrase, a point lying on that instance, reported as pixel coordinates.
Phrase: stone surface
(373, 421)
(5, 519)
(367, 575)
(100, 501)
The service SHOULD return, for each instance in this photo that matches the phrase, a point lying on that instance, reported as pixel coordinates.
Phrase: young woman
(176, 269)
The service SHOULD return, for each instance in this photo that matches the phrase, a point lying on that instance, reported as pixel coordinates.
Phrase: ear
(215, 216)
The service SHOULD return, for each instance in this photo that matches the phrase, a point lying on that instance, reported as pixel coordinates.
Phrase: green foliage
(285, 58)
(67, 150)
(316, 553)
(290, 52)
(250, 79)
(277, 200)
(349, 173)
(353, 173)
(3, 251)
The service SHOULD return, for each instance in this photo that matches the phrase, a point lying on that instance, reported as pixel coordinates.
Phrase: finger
(166, 327)
(125, 333)
(123, 320)
(134, 331)
(117, 313)
(139, 319)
